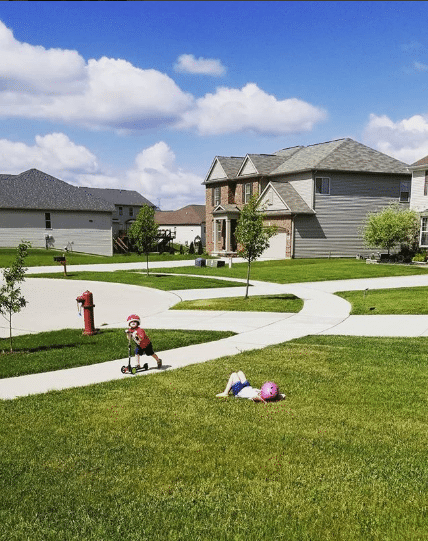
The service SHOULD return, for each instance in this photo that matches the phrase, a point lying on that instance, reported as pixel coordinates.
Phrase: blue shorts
(237, 387)
(148, 350)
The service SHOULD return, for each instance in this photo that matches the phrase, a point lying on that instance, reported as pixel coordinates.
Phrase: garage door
(277, 245)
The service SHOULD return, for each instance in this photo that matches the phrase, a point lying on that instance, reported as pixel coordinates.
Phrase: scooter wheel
(146, 366)
(133, 370)
(123, 369)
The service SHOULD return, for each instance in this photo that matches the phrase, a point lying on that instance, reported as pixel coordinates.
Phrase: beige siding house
(127, 205)
(318, 196)
(185, 224)
(419, 196)
(51, 213)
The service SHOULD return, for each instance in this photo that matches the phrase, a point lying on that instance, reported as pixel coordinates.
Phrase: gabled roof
(226, 208)
(119, 197)
(263, 163)
(228, 165)
(189, 215)
(341, 155)
(420, 163)
(291, 198)
(34, 189)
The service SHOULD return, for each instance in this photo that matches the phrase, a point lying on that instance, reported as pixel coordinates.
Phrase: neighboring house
(419, 196)
(127, 205)
(49, 212)
(185, 224)
(318, 196)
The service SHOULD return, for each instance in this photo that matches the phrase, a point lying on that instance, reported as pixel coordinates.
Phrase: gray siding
(334, 230)
(89, 232)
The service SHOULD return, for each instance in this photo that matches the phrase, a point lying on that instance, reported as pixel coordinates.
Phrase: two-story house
(127, 205)
(419, 196)
(318, 196)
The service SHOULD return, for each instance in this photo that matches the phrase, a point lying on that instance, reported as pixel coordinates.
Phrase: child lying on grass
(241, 388)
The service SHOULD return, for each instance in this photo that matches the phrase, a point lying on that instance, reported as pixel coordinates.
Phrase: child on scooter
(143, 343)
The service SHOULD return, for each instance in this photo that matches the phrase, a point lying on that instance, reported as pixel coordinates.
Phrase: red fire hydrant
(88, 306)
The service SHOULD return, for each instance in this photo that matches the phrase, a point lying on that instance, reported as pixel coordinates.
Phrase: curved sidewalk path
(322, 313)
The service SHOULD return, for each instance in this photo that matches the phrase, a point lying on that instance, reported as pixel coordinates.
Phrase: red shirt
(140, 337)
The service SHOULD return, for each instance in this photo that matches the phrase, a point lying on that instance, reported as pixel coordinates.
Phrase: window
(120, 211)
(48, 223)
(247, 189)
(131, 211)
(424, 232)
(216, 196)
(322, 185)
(404, 192)
(426, 183)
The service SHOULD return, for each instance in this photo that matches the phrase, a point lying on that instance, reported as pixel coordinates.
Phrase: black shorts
(148, 350)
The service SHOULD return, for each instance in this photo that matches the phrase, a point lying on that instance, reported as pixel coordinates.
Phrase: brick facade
(233, 193)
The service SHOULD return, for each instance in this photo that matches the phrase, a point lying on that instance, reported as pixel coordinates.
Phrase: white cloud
(232, 110)
(187, 63)
(157, 176)
(59, 85)
(54, 154)
(25, 67)
(155, 173)
(419, 66)
(405, 140)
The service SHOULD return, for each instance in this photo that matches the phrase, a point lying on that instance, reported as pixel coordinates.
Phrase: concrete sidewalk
(323, 313)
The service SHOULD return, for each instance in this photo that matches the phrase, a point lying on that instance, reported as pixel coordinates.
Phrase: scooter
(133, 369)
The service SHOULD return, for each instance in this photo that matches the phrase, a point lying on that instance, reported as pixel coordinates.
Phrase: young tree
(144, 231)
(252, 236)
(390, 227)
(11, 300)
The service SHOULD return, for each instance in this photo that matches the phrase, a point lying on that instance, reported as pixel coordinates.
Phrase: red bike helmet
(133, 317)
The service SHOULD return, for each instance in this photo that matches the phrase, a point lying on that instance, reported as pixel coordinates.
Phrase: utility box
(215, 263)
(200, 262)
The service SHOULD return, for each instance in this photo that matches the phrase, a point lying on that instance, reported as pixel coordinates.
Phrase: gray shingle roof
(118, 197)
(422, 161)
(266, 163)
(230, 165)
(291, 198)
(34, 189)
(341, 155)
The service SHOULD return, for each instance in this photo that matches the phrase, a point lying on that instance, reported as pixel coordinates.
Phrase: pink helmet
(133, 317)
(269, 390)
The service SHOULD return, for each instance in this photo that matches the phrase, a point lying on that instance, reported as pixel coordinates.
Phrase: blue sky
(144, 95)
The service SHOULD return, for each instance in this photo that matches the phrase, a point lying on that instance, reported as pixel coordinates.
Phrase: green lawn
(40, 257)
(166, 282)
(161, 458)
(304, 270)
(257, 303)
(401, 301)
(54, 350)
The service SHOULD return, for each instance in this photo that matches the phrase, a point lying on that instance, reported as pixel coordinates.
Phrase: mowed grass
(41, 257)
(68, 348)
(288, 271)
(159, 457)
(257, 303)
(400, 301)
(165, 282)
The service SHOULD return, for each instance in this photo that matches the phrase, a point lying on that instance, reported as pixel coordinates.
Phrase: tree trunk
(248, 279)
(147, 260)
(10, 331)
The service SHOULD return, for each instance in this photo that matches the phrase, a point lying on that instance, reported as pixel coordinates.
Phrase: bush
(421, 257)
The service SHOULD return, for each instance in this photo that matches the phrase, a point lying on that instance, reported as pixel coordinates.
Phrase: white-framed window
(131, 211)
(322, 185)
(426, 183)
(424, 232)
(219, 228)
(216, 196)
(404, 192)
(247, 191)
(48, 221)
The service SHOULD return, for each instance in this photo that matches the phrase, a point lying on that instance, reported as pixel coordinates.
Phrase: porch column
(227, 243)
